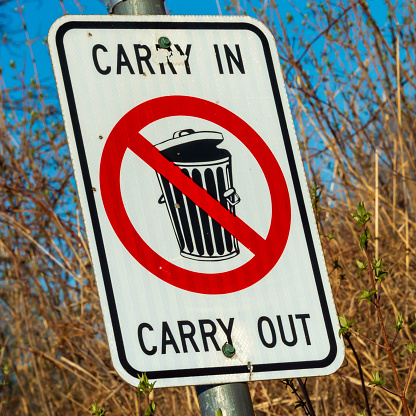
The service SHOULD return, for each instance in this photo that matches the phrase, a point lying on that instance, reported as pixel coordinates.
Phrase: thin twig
(306, 396)
(360, 370)
(406, 385)
(389, 391)
(394, 339)
(383, 330)
(368, 340)
(325, 31)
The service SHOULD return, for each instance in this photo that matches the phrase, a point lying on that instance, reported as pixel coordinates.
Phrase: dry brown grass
(356, 124)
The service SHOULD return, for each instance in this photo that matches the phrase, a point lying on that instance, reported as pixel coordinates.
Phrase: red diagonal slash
(234, 225)
(125, 135)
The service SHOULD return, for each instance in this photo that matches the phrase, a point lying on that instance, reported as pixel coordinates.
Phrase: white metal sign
(201, 230)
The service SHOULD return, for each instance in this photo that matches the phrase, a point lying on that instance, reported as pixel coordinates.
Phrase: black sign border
(206, 371)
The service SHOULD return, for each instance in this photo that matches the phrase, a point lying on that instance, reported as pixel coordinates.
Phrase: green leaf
(345, 325)
(413, 323)
(362, 216)
(367, 295)
(330, 236)
(96, 411)
(151, 409)
(361, 266)
(144, 387)
(377, 379)
(399, 322)
(6, 368)
(361, 209)
(218, 412)
(379, 270)
(364, 239)
(361, 414)
(411, 348)
(289, 17)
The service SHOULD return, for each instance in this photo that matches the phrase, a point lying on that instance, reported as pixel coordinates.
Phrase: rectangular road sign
(203, 239)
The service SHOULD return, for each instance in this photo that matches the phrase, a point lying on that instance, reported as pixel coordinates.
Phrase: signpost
(195, 201)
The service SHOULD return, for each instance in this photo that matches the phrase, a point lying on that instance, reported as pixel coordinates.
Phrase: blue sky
(39, 16)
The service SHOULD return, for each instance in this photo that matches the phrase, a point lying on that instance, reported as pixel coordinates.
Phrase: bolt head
(228, 350)
(164, 42)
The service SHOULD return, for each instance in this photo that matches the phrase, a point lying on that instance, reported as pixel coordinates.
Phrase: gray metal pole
(232, 399)
(136, 7)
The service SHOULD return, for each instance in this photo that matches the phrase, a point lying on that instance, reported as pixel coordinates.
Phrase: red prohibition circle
(126, 134)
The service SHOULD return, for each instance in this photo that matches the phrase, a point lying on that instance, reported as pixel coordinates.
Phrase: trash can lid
(191, 146)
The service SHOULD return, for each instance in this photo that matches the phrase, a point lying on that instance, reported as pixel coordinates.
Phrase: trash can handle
(229, 193)
(181, 133)
(161, 200)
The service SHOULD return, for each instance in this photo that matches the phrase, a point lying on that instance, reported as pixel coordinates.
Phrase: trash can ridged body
(198, 235)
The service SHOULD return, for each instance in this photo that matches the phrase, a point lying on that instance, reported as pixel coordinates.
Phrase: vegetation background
(351, 77)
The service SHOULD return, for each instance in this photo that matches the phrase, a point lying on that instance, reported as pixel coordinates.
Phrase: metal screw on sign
(164, 42)
(228, 350)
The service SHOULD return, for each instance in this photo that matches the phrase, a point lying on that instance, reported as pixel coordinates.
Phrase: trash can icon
(199, 236)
